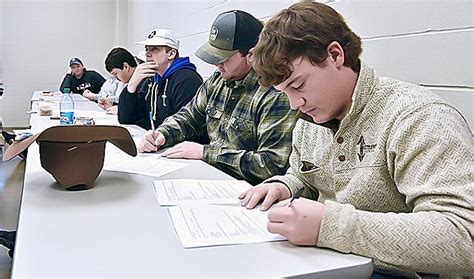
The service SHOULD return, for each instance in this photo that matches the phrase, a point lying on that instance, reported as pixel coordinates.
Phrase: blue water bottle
(66, 108)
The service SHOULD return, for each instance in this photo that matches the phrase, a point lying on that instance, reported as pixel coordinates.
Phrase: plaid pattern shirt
(249, 127)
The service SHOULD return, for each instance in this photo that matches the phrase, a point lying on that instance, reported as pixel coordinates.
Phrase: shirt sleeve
(291, 179)
(185, 89)
(111, 90)
(275, 122)
(132, 108)
(430, 155)
(66, 83)
(107, 90)
(99, 79)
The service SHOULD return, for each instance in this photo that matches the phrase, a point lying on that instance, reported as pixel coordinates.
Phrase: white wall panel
(384, 17)
(390, 18)
(39, 38)
(424, 42)
(452, 14)
(461, 99)
(191, 20)
(190, 45)
(442, 58)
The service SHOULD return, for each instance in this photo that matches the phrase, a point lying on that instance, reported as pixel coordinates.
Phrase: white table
(38, 96)
(117, 229)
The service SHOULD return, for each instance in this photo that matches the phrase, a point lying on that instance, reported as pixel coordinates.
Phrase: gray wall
(38, 39)
(430, 43)
(425, 42)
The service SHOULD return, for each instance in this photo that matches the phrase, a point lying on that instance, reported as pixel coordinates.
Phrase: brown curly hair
(304, 29)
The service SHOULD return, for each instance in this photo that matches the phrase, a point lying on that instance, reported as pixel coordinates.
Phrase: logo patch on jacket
(363, 149)
(307, 166)
(84, 86)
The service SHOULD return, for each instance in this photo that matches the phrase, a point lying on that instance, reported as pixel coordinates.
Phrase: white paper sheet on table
(145, 164)
(212, 225)
(190, 191)
(91, 113)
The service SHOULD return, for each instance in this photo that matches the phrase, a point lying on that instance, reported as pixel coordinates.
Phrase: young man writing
(387, 166)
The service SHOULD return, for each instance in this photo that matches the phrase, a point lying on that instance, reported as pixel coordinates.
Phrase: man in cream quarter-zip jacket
(387, 166)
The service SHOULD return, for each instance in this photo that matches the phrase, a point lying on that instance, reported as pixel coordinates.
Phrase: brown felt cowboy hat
(74, 155)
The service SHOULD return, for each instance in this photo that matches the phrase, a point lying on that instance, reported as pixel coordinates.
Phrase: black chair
(9, 139)
(7, 239)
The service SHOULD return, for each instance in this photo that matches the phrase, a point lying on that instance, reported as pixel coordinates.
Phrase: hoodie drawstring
(154, 96)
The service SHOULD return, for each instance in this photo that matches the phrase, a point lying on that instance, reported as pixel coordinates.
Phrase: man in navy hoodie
(160, 86)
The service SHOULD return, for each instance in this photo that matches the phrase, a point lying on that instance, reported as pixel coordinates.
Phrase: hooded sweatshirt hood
(178, 63)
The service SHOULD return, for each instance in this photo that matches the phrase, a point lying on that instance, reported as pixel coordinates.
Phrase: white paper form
(213, 225)
(188, 191)
(144, 164)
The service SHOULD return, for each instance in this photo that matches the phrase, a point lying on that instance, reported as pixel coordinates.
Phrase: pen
(297, 195)
(151, 121)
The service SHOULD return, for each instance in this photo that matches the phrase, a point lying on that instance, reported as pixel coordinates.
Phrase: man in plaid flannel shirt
(249, 126)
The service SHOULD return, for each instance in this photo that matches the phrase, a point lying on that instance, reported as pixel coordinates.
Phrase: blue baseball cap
(76, 61)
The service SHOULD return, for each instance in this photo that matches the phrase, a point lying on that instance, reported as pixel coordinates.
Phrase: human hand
(105, 103)
(144, 70)
(151, 141)
(299, 223)
(269, 192)
(112, 110)
(89, 95)
(185, 150)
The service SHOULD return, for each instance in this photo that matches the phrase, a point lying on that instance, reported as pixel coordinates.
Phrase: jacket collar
(248, 82)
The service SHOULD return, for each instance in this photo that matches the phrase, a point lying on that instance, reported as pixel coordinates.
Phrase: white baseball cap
(161, 37)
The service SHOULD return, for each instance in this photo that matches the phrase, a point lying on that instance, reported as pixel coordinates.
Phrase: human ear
(336, 53)
(125, 66)
(250, 55)
(171, 54)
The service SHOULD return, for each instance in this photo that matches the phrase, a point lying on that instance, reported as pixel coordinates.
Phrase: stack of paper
(199, 221)
(189, 191)
(150, 164)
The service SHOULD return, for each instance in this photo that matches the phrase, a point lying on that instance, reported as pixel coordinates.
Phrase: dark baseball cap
(76, 61)
(230, 32)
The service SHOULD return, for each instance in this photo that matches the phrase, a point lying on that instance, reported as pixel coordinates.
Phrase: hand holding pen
(152, 140)
(151, 121)
(299, 222)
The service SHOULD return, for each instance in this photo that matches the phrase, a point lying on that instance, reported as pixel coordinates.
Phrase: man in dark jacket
(81, 79)
(160, 86)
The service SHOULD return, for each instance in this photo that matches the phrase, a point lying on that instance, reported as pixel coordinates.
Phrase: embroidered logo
(83, 86)
(152, 34)
(214, 32)
(364, 148)
(307, 166)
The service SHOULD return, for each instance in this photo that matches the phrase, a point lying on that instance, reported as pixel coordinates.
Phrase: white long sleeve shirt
(111, 89)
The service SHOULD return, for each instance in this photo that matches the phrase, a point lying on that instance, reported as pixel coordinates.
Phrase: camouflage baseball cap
(230, 32)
